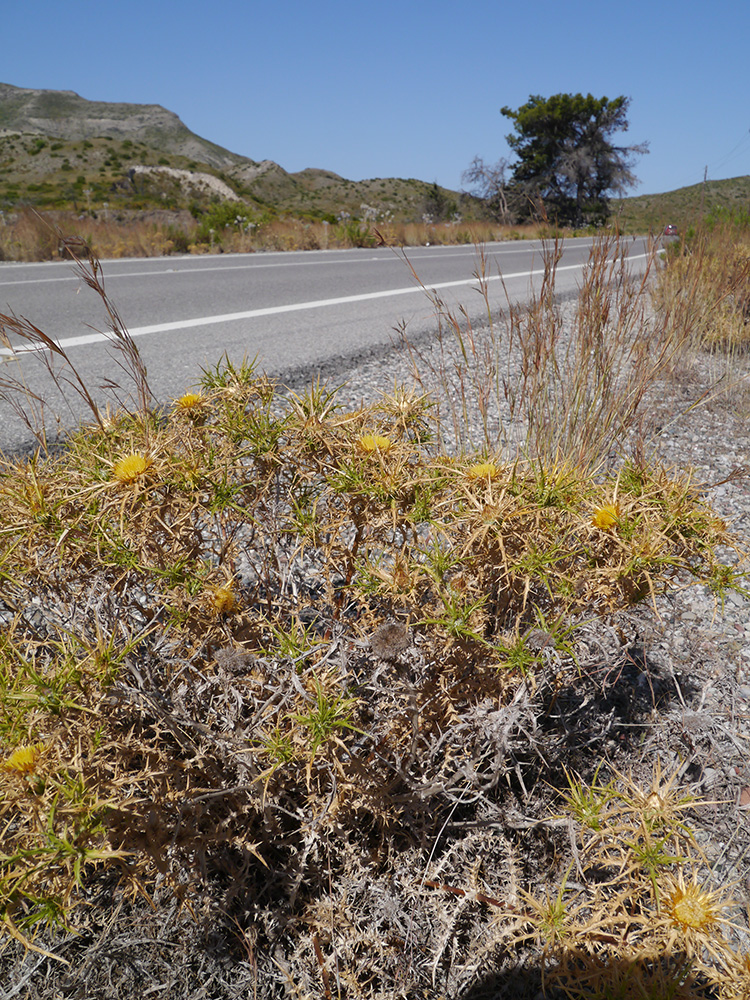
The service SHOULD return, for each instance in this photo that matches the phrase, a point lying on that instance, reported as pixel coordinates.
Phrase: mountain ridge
(38, 115)
(64, 114)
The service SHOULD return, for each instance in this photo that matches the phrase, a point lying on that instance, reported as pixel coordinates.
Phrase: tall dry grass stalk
(533, 382)
(21, 337)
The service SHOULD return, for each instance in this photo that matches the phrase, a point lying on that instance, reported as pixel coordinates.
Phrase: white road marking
(143, 331)
(257, 262)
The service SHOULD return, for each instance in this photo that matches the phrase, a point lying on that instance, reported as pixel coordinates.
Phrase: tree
(488, 181)
(438, 204)
(566, 158)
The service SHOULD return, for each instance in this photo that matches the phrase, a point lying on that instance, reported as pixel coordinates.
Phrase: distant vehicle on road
(670, 230)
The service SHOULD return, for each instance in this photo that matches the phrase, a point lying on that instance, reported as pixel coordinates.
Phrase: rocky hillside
(59, 150)
(63, 114)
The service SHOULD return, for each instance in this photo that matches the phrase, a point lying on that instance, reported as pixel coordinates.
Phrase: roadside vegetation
(28, 233)
(319, 681)
(685, 208)
(228, 228)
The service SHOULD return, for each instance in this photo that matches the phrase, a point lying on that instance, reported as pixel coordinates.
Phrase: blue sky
(405, 88)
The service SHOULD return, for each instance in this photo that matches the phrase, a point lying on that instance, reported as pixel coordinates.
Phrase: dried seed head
(389, 641)
(537, 639)
(224, 600)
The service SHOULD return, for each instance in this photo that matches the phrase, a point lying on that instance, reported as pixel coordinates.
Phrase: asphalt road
(293, 311)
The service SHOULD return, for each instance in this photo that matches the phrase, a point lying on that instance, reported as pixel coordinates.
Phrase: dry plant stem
(468, 372)
(582, 396)
(544, 391)
(27, 405)
(48, 352)
(89, 270)
(64, 375)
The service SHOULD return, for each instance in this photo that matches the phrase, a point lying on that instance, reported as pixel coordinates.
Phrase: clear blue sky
(405, 88)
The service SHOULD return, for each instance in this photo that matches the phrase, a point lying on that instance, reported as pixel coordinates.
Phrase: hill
(63, 114)
(103, 162)
(61, 151)
(683, 206)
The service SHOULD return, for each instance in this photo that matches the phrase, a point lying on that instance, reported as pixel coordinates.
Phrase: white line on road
(142, 331)
(189, 268)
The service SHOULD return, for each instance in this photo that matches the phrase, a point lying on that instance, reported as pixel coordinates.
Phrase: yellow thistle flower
(223, 599)
(482, 470)
(606, 517)
(692, 907)
(370, 443)
(190, 401)
(131, 467)
(23, 760)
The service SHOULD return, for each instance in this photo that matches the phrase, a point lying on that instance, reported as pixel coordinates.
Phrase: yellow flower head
(606, 517)
(223, 599)
(131, 467)
(482, 470)
(190, 401)
(692, 907)
(23, 760)
(370, 443)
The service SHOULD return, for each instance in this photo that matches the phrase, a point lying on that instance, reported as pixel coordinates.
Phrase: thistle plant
(642, 920)
(261, 641)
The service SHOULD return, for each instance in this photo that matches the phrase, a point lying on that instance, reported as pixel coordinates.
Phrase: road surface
(297, 311)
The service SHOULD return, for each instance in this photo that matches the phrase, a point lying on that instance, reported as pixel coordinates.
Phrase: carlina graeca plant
(308, 683)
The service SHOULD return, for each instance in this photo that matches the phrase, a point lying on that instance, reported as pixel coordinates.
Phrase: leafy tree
(566, 159)
(438, 204)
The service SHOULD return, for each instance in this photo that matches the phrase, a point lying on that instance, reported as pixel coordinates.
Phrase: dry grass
(704, 293)
(293, 666)
(33, 236)
(547, 392)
